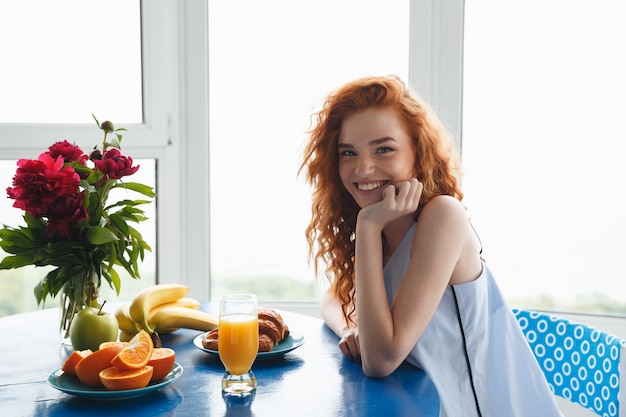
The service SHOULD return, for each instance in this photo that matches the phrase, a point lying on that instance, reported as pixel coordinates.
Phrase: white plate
(72, 385)
(291, 342)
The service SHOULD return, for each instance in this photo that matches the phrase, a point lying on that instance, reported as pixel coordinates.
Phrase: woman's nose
(364, 167)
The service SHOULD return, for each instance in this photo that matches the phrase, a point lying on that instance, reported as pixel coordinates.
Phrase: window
(69, 59)
(50, 91)
(543, 145)
(527, 77)
(271, 64)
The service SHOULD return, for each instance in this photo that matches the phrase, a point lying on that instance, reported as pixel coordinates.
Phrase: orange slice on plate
(136, 354)
(87, 370)
(105, 344)
(115, 379)
(69, 367)
(162, 361)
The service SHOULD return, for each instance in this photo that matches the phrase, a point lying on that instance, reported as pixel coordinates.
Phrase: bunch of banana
(162, 308)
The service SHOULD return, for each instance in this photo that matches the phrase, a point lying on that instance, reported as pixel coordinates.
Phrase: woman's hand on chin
(398, 200)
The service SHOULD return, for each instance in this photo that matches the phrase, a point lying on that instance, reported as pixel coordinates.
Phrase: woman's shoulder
(444, 205)
(445, 224)
(444, 217)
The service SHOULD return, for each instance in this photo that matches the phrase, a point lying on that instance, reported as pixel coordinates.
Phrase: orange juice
(238, 342)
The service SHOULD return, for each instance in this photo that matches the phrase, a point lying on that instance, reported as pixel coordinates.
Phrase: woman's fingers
(408, 194)
(349, 346)
(397, 200)
(416, 188)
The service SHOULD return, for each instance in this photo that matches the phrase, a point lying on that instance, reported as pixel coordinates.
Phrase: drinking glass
(238, 342)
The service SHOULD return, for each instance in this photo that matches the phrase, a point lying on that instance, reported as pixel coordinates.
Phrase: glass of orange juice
(238, 342)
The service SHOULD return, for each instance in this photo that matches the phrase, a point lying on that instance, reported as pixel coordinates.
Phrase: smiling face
(375, 150)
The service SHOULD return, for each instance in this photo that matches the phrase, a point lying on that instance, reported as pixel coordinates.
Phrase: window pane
(65, 59)
(270, 65)
(16, 285)
(543, 143)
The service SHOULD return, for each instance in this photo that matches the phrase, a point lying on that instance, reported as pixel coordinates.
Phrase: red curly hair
(334, 211)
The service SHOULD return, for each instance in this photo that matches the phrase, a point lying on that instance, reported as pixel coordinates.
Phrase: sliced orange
(105, 344)
(87, 370)
(162, 361)
(115, 379)
(69, 367)
(136, 354)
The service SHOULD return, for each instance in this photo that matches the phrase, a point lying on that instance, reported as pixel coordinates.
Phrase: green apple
(92, 326)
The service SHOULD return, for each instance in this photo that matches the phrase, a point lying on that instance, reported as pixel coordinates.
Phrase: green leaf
(115, 142)
(15, 261)
(113, 278)
(128, 204)
(138, 187)
(41, 291)
(33, 222)
(93, 178)
(94, 209)
(119, 224)
(82, 170)
(16, 239)
(98, 235)
(124, 215)
(55, 280)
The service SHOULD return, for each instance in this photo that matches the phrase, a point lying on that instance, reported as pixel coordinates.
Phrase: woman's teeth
(370, 186)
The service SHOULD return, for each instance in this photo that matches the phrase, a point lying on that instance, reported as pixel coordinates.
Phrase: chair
(582, 364)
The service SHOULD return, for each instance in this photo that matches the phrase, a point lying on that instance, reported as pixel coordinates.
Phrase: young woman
(407, 281)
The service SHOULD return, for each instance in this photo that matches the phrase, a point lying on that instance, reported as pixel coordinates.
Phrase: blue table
(313, 380)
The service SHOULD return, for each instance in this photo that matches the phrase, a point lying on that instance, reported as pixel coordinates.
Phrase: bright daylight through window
(543, 147)
(67, 62)
(541, 137)
(270, 66)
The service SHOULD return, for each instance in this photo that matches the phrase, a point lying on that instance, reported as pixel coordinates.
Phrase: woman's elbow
(377, 370)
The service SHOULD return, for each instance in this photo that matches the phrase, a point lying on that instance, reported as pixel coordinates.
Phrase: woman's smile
(370, 186)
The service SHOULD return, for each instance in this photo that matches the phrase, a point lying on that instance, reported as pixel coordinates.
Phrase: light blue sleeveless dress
(506, 377)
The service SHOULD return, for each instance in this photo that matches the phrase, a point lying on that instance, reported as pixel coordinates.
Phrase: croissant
(272, 331)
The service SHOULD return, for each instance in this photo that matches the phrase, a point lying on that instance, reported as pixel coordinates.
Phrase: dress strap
(478, 237)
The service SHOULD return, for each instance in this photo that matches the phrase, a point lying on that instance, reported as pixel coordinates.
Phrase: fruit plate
(291, 342)
(71, 385)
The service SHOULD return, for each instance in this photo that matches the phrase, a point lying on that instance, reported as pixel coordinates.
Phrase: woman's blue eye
(346, 153)
(384, 150)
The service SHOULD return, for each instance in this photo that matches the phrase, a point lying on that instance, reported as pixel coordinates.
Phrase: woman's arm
(442, 238)
(332, 314)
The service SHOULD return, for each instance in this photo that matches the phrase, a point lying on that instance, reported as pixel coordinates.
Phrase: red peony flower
(69, 152)
(63, 212)
(37, 184)
(115, 165)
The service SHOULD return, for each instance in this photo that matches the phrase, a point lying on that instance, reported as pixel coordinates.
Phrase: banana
(177, 317)
(186, 302)
(152, 296)
(126, 323)
(183, 302)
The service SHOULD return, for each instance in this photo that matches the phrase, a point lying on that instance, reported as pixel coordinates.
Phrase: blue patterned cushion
(581, 363)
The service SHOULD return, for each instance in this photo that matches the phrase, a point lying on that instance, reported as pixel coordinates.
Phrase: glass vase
(82, 292)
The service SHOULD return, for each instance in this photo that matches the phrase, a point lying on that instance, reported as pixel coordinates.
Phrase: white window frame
(436, 58)
(174, 132)
(436, 72)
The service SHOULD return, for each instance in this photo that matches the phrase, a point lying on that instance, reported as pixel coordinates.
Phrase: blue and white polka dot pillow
(581, 363)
